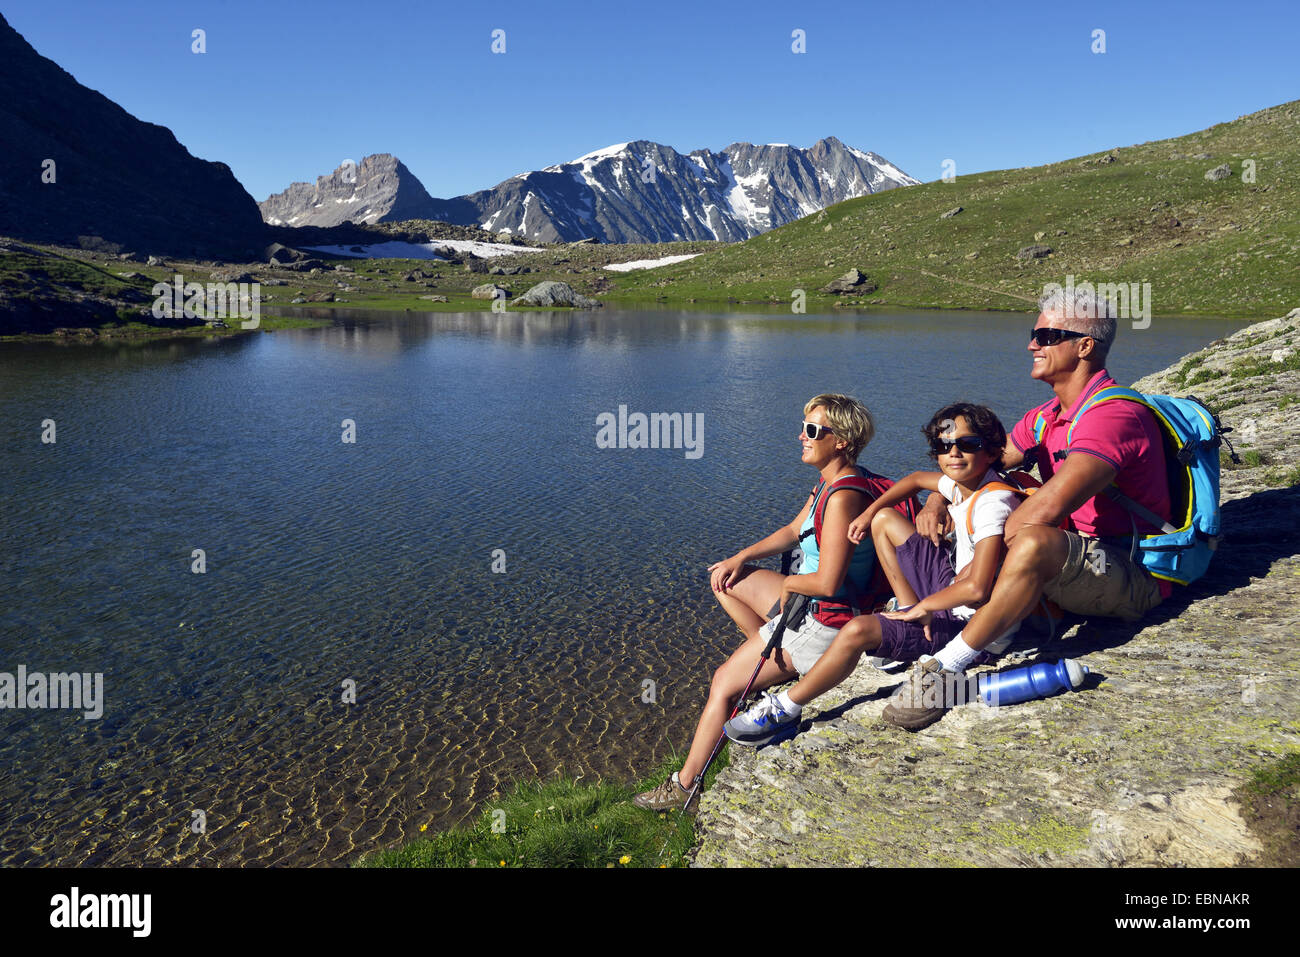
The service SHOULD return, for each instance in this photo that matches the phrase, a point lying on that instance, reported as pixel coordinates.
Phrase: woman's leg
(838, 661)
(750, 599)
(728, 682)
(889, 529)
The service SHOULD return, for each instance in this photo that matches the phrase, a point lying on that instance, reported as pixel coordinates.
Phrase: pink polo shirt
(1122, 434)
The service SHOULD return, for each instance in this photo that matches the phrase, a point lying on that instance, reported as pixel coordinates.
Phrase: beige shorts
(1101, 579)
(804, 645)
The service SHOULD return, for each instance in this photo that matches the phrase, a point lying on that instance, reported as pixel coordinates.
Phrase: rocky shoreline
(1139, 767)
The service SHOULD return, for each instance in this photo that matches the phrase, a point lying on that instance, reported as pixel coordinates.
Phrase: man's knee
(1036, 549)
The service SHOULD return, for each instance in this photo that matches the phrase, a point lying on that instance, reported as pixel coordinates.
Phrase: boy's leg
(838, 661)
(889, 530)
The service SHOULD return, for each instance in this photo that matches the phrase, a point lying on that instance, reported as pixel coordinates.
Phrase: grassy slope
(1234, 254)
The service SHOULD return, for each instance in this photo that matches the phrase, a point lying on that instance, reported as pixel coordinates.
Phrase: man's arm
(1080, 478)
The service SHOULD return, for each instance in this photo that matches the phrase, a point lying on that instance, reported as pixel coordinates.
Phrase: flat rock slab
(1136, 768)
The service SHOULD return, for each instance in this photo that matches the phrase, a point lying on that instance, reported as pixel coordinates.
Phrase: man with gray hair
(1068, 541)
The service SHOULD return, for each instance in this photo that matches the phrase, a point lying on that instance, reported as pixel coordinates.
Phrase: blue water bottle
(1041, 680)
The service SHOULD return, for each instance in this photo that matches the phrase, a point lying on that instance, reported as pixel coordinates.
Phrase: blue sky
(287, 91)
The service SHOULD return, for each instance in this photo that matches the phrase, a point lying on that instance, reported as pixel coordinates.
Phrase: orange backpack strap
(1001, 486)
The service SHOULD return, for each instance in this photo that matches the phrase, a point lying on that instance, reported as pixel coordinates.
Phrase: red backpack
(836, 614)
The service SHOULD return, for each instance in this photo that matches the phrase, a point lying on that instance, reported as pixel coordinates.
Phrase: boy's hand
(860, 527)
(914, 613)
(933, 521)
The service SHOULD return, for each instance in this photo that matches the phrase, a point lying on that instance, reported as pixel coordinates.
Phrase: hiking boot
(762, 724)
(669, 796)
(928, 693)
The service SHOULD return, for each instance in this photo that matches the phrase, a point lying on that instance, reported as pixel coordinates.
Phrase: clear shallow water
(373, 561)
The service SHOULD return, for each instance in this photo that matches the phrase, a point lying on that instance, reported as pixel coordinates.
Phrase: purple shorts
(928, 569)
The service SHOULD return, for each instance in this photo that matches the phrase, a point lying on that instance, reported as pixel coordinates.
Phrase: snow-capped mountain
(635, 192)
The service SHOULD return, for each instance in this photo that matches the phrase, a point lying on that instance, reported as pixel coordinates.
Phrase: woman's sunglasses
(1050, 337)
(966, 443)
(815, 431)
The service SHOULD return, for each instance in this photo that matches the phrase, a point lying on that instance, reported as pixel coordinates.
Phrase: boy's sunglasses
(1050, 337)
(966, 443)
(815, 431)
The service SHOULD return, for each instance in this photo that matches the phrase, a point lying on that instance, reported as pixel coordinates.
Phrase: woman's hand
(914, 613)
(725, 573)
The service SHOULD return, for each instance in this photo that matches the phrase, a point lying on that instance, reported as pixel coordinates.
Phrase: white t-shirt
(992, 510)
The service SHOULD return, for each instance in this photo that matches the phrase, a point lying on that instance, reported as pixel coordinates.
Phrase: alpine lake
(345, 582)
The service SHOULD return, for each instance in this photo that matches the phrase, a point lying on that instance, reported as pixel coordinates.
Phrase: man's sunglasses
(815, 431)
(1045, 336)
(966, 443)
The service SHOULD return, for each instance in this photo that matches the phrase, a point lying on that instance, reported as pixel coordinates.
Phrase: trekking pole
(793, 614)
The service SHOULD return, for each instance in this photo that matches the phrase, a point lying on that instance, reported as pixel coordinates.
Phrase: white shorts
(803, 645)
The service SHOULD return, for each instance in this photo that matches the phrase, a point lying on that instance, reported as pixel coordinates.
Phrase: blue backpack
(1181, 551)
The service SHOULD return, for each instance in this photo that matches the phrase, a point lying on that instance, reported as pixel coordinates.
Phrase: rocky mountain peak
(78, 169)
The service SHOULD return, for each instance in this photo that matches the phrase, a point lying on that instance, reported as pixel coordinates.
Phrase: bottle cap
(1076, 671)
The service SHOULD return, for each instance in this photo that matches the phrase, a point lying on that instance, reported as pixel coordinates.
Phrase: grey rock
(951, 213)
(1037, 251)
(551, 293)
(156, 261)
(490, 290)
(280, 254)
(852, 281)
(1222, 171)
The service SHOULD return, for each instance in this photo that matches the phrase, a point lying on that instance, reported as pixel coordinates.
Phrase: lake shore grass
(561, 822)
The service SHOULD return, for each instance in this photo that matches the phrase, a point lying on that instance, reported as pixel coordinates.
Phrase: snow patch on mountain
(649, 263)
